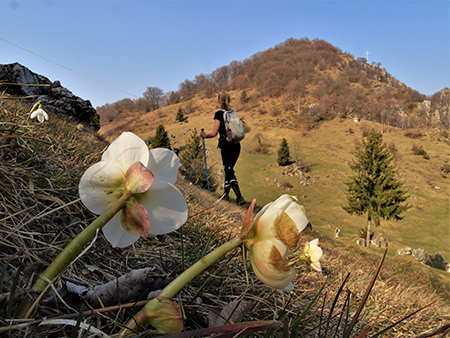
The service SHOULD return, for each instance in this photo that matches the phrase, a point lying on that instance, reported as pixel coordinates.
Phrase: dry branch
(125, 289)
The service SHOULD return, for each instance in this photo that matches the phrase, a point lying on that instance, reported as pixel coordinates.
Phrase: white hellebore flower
(314, 253)
(40, 114)
(275, 231)
(127, 164)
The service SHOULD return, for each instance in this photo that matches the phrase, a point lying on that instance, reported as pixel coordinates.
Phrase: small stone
(337, 233)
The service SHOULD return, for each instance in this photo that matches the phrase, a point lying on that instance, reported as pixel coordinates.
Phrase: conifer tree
(244, 97)
(284, 155)
(192, 165)
(374, 190)
(161, 139)
(180, 115)
(193, 148)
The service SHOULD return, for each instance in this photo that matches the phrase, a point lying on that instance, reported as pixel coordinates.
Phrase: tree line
(317, 78)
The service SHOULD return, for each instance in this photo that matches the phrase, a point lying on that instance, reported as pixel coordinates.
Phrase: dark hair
(224, 100)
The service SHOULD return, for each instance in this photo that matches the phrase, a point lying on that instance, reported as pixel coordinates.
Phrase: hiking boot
(226, 198)
(240, 201)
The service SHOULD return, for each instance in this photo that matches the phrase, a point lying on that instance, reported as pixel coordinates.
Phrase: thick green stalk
(178, 283)
(70, 252)
(145, 315)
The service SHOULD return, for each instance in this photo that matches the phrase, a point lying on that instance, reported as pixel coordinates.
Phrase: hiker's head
(224, 100)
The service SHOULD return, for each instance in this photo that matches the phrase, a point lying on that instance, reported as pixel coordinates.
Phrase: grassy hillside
(327, 150)
(41, 165)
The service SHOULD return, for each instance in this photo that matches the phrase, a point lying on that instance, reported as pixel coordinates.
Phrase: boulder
(420, 254)
(437, 258)
(55, 99)
(437, 261)
(380, 241)
(404, 251)
(361, 241)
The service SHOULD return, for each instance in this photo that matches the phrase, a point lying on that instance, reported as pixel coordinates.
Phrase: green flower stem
(181, 281)
(32, 109)
(178, 283)
(70, 252)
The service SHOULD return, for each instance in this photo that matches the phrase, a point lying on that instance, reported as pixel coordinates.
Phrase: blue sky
(104, 51)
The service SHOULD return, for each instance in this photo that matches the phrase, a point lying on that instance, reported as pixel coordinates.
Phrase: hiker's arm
(213, 132)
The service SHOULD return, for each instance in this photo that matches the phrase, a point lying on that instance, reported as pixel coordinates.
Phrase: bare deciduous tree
(221, 77)
(172, 98)
(154, 96)
(187, 89)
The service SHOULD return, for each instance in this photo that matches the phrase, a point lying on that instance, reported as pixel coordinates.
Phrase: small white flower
(124, 166)
(40, 114)
(314, 253)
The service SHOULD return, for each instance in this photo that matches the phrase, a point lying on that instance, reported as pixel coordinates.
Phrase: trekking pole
(206, 166)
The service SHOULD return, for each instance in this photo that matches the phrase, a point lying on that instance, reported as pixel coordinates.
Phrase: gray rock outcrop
(55, 99)
(420, 254)
(404, 251)
(436, 261)
(361, 241)
(380, 241)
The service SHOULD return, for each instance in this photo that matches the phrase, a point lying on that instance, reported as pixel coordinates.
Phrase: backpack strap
(226, 119)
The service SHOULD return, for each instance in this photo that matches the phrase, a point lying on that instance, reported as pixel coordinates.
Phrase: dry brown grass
(40, 213)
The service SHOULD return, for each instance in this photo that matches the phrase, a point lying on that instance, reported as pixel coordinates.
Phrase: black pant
(230, 153)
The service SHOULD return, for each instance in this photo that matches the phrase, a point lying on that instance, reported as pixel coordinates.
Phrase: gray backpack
(234, 123)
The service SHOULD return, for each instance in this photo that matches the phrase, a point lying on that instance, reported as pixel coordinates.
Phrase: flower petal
(126, 150)
(314, 252)
(316, 266)
(138, 178)
(116, 234)
(297, 214)
(163, 163)
(247, 220)
(285, 227)
(166, 205)
(135, 219)
(269, 266)
(164, 314)
(100, 186)
(295, 211)
(267, 227)
(34, 114)
(284, 201)
(261, 212)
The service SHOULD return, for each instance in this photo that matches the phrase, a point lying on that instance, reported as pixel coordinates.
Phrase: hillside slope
(41, 167)
(327, 150)
(308, 92)
(313, 78)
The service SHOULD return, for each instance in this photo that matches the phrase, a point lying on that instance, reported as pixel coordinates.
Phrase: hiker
(229, 149)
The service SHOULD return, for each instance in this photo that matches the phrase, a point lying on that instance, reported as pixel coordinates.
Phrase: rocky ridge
(17, 81)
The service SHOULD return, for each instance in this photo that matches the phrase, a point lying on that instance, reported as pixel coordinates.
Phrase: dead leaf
(239, 307)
